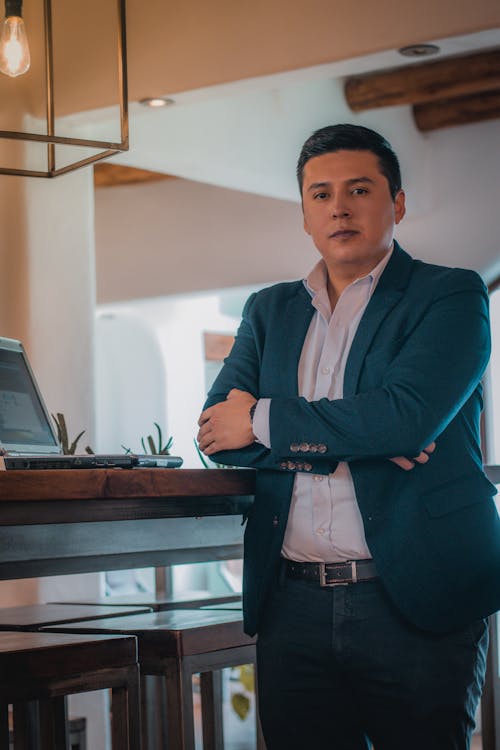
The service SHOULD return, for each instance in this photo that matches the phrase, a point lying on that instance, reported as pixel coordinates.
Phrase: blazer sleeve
(422, 387)
(241, 370)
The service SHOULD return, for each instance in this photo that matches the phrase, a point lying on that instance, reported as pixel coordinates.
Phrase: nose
(340, 209)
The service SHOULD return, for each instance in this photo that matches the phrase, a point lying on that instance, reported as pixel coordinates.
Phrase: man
(370, 558)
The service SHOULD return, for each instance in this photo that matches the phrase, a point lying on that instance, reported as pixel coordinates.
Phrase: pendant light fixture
(70, 73)
(14, 49)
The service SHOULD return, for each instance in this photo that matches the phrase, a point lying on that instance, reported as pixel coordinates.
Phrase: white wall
(130, 382)
(48, 293)
(167, 237)
(176, 236)
(176, 324)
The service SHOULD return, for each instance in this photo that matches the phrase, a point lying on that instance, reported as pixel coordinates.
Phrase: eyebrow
(352, 181)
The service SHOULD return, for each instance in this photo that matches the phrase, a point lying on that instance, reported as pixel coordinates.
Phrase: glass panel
(85, 43)
(86, 94)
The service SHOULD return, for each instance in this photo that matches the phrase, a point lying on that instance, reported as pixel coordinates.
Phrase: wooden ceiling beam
(111, 175)
(459, 111)
(426, 82)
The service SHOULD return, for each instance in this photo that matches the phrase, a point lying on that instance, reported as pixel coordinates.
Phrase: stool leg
(180, 720)
(125, 729)
(26, 725)
(153, 701)
(261, 745)
(211, 710)
(54, 729)
(134, 709)
(4, 726)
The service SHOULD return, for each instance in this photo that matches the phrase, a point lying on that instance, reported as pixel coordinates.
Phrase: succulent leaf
(241, 704)
(72, 447)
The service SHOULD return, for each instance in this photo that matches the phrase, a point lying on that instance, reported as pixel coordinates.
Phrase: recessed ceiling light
(419, 50)
(157, 101)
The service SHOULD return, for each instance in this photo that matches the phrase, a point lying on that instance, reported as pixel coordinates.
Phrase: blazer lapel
(389, 291)
(298, 314)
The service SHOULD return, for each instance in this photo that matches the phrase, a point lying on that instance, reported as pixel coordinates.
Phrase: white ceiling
(246, 136)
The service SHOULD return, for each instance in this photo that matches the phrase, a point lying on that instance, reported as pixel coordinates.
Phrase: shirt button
(325, 370)
(321, 531)
(318, 478)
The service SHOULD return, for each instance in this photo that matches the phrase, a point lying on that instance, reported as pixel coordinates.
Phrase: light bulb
(14, 50)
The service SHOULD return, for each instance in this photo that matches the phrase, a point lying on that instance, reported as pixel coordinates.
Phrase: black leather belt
(332, 574)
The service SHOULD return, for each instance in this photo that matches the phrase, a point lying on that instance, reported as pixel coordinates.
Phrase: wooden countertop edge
(81, 484)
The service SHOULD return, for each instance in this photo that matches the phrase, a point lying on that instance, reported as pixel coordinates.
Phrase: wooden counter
(80, 521)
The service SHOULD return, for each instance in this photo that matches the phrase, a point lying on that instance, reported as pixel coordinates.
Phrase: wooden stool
(45, 668)
(35, 616)
(176, 645)
(187, 600)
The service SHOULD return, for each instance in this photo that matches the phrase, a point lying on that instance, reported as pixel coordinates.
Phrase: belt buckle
(328, 584)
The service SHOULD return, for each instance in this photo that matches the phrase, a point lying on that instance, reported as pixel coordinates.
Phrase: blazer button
(307, 467)
(304, 447)
(275, 521)
(291, 465)
(295, 447)
(322, 448)
(313, 448)
(283, 465)
(299, 465)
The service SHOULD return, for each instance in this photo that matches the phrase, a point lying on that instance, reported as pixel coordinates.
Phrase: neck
(341, 275)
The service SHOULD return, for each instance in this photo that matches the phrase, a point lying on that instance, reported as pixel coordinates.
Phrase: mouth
(343, 234)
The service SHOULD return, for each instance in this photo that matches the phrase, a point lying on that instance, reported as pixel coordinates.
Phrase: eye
(321, 196)
(359, 191)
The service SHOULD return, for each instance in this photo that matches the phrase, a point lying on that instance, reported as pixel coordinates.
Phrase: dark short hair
(349, 137)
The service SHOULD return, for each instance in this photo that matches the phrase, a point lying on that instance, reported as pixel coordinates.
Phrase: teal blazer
(412, 376)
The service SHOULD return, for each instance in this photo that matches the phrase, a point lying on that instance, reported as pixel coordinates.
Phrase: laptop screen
(24, 422)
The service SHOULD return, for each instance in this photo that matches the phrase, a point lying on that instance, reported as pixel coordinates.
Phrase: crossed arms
(227, 426)
(422, 386)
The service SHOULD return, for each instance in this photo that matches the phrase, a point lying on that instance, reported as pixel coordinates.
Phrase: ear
(306, 226)
(399, 206)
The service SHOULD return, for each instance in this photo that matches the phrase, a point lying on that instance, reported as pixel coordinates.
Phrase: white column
(47, 299)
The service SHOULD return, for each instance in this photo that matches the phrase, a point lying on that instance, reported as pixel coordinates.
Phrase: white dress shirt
(324, 524)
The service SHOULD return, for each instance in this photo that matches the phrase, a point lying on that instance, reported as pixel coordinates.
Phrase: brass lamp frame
(51, 139)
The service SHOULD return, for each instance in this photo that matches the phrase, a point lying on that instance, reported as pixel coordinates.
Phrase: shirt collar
(316, 281)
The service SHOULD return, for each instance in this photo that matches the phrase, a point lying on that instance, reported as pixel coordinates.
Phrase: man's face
(349, 211)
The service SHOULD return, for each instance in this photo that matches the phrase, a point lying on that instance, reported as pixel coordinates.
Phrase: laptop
(27, 437)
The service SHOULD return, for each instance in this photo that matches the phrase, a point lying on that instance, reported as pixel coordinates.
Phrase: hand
(408, 464)
(227, 425)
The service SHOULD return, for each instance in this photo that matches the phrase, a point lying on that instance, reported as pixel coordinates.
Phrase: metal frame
(51, 139)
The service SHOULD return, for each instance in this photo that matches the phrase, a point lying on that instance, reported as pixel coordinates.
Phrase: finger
(422, 458)
(211, 449)
(205, 433)
(204, 443)
(204, 417)
(430, 448)
(403, 463)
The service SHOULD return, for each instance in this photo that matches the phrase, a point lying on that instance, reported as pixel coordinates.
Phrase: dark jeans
(339, 668)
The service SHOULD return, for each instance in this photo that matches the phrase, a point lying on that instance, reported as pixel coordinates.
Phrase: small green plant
(62, 436)
(153, 448)
(240, 701)
(212, 464)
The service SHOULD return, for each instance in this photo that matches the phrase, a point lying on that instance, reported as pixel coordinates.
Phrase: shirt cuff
(260, 424)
